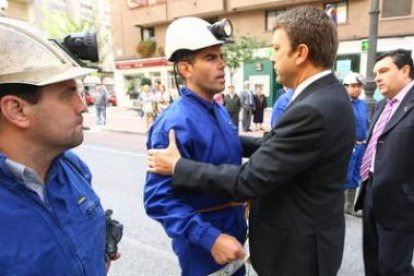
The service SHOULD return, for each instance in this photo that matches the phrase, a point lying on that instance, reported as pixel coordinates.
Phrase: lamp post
(370, 85)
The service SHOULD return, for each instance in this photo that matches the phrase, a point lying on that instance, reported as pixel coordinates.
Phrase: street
(118, 164)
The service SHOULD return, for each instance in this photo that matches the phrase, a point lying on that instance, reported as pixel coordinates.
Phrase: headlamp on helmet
(223, 30)
(81, 46)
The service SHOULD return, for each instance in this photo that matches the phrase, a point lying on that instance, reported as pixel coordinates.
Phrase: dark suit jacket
(296, 181)
(393, 178)
(233, 104)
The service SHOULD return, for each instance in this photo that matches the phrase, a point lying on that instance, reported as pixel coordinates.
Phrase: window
(147, 33)
(338, 11)
(345, 64)
(396, 8)
(270, 18)
(155, 76)
(86, 12)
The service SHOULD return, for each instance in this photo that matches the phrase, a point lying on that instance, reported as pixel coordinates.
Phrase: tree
(235, 54)
(58, 25)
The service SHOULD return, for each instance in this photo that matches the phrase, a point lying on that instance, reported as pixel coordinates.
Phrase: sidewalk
(118, 119)
(127, 120)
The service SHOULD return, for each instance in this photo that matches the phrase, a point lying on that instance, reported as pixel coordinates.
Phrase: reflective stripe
(221, 207)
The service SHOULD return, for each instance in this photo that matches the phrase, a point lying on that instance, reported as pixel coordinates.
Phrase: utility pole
(370, 85)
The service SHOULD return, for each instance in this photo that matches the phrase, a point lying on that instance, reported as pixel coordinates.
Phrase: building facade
(92, 13)
(134, 21)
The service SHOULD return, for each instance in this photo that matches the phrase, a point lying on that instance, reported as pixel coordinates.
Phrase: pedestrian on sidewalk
(149, 105)
(260, 105)
(100, 96)
(233, 105)
(248, 105)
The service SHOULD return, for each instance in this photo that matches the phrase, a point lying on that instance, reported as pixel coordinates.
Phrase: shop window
(147, 33)
(396, 8)
(271, 17)
(345, 64)
(338, 11)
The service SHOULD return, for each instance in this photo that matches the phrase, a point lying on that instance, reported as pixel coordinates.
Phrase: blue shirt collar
(185, 91)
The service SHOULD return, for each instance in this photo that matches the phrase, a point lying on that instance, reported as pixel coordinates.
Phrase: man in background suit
(248, 104)
(295, 174)
(233, 105)
(387, 171)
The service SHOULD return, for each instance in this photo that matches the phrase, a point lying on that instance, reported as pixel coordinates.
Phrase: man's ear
(406, 70)
(14, 110)
(302, 54)
(185, 69)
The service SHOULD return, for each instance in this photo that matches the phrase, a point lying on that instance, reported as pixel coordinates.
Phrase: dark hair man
(207, 232)
(387, 191)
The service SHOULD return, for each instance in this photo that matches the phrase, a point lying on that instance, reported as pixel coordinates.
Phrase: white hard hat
(28, 57)
(188, 33)
(353, 78)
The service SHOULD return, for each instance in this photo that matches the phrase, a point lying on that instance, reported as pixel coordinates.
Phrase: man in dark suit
(248, 104)
(387, 171)
(295, 174)
(233, 105)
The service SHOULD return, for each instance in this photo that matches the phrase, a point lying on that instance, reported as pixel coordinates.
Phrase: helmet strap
(175, 70)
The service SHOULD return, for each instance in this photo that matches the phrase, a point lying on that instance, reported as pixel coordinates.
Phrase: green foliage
(146, 81)
(235, 54)
(58, 25)
(146, 48)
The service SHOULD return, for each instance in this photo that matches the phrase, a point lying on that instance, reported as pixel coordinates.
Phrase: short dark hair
(184, 56)
(314, 28)
(27, 92)
(400, 57)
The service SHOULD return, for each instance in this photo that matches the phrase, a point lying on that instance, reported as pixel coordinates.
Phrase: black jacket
(295, 176)
(393, 179)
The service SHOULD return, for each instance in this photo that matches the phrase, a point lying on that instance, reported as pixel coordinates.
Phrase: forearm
(179, 219)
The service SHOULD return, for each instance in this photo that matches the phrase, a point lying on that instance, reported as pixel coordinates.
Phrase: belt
(360, 142)
(221, 207)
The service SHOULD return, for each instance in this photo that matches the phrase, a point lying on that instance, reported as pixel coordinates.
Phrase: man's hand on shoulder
(226, 249)
(163, 161)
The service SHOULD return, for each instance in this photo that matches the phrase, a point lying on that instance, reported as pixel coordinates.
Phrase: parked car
(112, 100)
(89, 99)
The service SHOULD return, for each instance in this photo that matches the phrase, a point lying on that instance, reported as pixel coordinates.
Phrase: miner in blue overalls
(207, 232)
(353, 83)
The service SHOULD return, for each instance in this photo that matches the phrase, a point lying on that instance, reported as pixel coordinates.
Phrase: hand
(163, 161)
(226, 249)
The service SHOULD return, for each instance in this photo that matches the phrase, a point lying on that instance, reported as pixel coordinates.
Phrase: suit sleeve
(179, 219)
(250, 144)
(290, 149)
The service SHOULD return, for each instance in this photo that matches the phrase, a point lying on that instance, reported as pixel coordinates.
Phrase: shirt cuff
(208, 237)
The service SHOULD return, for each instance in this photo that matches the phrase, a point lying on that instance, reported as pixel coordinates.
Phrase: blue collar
(184, 91)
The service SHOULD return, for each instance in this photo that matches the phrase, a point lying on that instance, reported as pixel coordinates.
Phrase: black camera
(114, 231)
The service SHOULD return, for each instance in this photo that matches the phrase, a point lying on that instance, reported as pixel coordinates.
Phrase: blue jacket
(361, 118)
(204, 137)
(279, 107)
(361, 124)
(65, 235)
